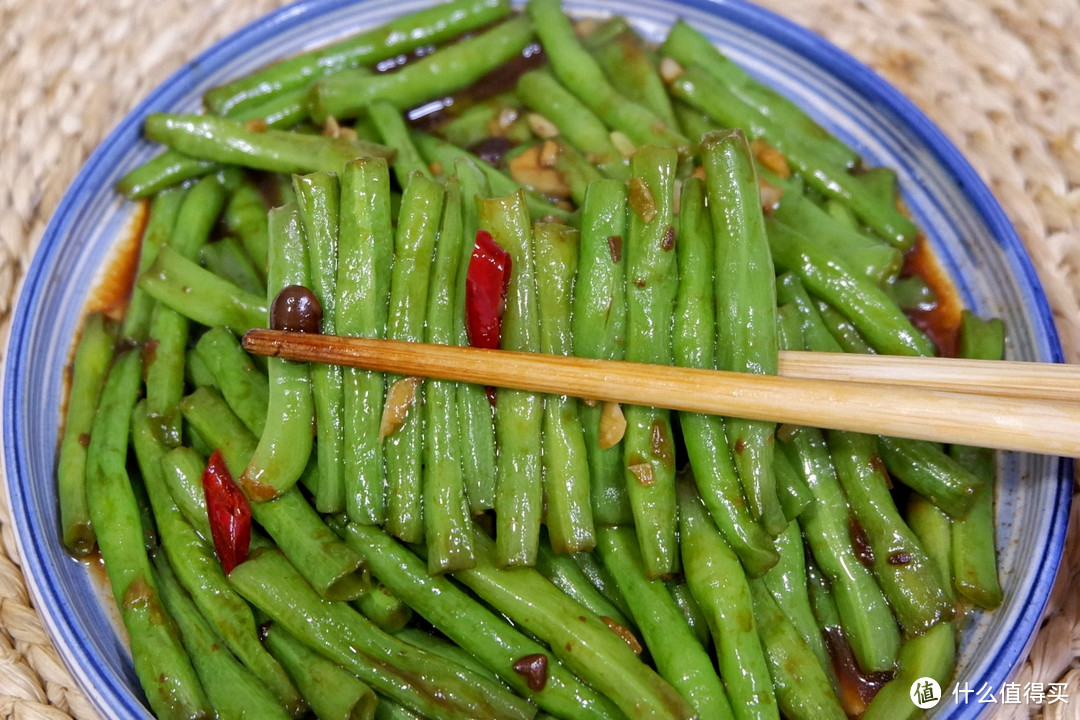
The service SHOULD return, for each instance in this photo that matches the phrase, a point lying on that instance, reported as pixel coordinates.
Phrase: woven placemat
(1000, 77)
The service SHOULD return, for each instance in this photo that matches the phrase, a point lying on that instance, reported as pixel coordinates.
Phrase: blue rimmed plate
(973, 241)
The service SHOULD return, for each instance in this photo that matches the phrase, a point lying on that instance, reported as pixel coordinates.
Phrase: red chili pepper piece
(486, 283)
(229, 512)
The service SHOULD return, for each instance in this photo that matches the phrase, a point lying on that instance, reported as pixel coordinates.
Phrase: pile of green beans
(434, 549)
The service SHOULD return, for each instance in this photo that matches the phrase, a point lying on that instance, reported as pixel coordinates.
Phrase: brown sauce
(941, 321)
(857, 688)
(111, 294)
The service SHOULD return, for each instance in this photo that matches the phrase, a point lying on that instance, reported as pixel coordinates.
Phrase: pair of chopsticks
(1024, 406)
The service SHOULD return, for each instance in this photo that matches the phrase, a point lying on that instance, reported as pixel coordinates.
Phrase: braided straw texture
(1000, 77)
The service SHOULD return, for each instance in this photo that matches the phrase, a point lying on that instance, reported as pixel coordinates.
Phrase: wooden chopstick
(1009, 423)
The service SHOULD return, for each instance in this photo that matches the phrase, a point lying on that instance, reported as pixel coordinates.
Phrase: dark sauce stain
(614, 243)
(491, 150)
(859, 542)
(740, 446)
(668, 241)
(941, 320)
(660, 445)
(111, 295)
(857, 688)
(534, 668)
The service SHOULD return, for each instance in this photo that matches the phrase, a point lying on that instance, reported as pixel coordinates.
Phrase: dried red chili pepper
(486, 283)
(229, 513)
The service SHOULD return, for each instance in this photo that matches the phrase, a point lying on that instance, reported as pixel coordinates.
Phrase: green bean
(232, 142)
(333, 692)
(453, 67)
(974, 554)
(475, 123)
(717, 581)
(447, 525)
(334, 570)
(695, 124)
(417, 679)
(694, 346)
(199, 295)
(601, 579)
(91, 366)
(877, 260)
(163, 210)
(599, 329)
(688, 46)
(696, 87)
(518, 415)
(803, 689)
(899, 562)
(417, 229)
(912, 292)
(564, 573)
(401, 35)
(925, 468)
(318, 197)
(365, 253)
(792, 491)
(181, 470)
(690, 609)
(933, 529)
(227, 258)
(679, 659)
(163, 367)
(390, 710)
(843, 330)
(586, 647)
(628, 65)
(162, 172)
(383, 608)
(815, 335)
(582, 76)
(786, 582)
(746, 308)
(232, 689)
(395, 133)
(565, 464)
(477, 443)
(474, 627)
(199, 572)
(285, 443)
(932, 655)
(244, 387)
(544, 94)
(245, 217)
(575, 170)
(442, 153)
(865, 304)
(652, 283)
(445, 649)
(161, 663)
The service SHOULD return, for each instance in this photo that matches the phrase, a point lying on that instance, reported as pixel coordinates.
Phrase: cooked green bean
(383, 608)
(409, 32)
(453, 67)
(227, 258)
(161, 663)
(490, 638)
(417, 228)
(563, 572)
(746, 308)
(244, 387)
(365, 252)
(928, 470)
(582, 76)
(933, 528)
(475, 419)
(197, 569)
(445, 649)
(519, 415)
(931, 655)
(690, 609)
(670, 641)
(182, 470)
(417, 679)
(974, 553)
(395, 133)
(717, 581)
(285, 443)
(91, 367)
(334, 570)
(599, 329)
(565, 464)
(232, 142)
(163, 210)
(651, 287)
(694, 346)
(333, 692)
(447, 522)
(245, 217)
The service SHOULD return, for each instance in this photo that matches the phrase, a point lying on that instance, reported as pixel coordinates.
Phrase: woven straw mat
(1000, 77)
